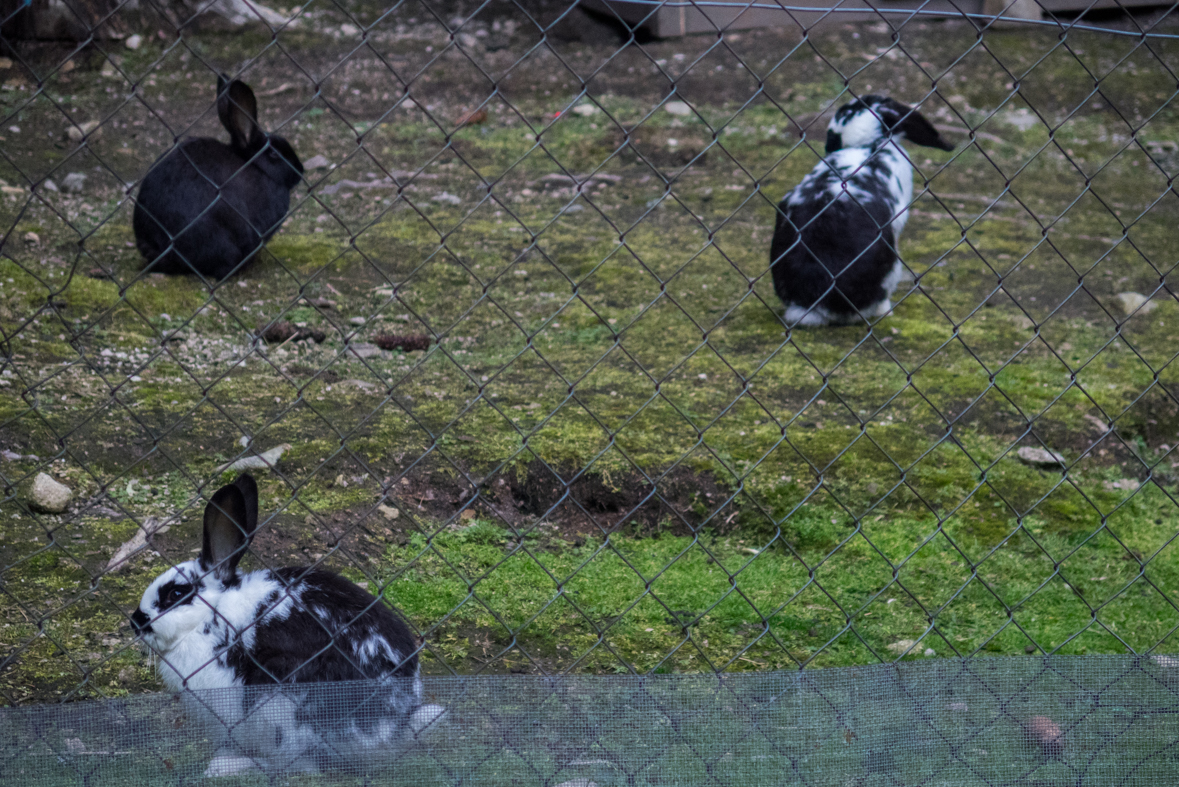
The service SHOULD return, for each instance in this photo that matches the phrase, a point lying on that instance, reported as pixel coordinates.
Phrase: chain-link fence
(514, 362)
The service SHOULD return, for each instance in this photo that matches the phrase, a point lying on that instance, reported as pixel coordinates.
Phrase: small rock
(48, 185)
(109, 70)
(150, 527)
(389, 512)
(1040, 457)
(357, 320)
(677, 108)
(360, 385)
(447, 198)
(930, 652)
(1045, 733)
(474, 118)
(73, 183)
(1134, 304)
(5, 63)
(80, 131)
(468, 41)
(585, 110)
(349, 30)
(574, 208)
(32, 238)
(901, 646)
(279, 332)
(133, 42)
(48, 495)
(468, 513)
(267, 459)
(1029, 649)
(364, 349)
(409, 343)
(316, 162)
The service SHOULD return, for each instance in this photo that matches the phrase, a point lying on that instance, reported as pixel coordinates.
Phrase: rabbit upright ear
(228, 530)
(249, 489)
(238, 110)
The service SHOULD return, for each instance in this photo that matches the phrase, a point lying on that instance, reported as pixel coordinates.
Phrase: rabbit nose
(140, 622)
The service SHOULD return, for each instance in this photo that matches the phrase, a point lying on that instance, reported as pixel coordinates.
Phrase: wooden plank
(683, 17)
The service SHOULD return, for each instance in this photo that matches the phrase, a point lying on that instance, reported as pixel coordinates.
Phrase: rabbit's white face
(858, 129)
(180, 603)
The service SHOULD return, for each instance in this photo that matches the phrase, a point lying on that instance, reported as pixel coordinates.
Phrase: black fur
(206, 207)
(304, 647)
(231, 518)
(846, 250)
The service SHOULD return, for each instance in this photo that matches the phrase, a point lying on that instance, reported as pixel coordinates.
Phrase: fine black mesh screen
(1097, 720)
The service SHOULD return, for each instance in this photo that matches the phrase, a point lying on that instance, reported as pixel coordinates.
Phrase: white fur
(860, 130)
(187, 637)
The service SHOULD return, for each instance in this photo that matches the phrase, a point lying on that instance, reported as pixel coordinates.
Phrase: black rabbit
(834, 253)
(206, 207)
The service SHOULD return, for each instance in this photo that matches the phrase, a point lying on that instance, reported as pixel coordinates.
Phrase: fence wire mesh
(950, 721)
(515, 364)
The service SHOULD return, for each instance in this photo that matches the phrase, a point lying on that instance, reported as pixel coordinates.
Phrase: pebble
(1134, 304)
(49, 495)
(1041, 457)
(357, 321)
(32, 238)
(78, 132)
(73, 182)
(389, 512)
(349, 30)
(447, 198)
(677, 108)
(49, 185)
(133, 42)
(1045, 732)
(364, 349)
(901, 646)
(316, 162)
(585, 110)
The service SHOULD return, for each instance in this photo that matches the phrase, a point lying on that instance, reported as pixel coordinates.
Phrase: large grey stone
(49, 495)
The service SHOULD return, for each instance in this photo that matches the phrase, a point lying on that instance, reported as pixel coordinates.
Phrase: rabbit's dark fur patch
(206, 207)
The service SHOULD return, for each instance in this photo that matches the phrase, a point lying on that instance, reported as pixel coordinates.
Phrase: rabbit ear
(249, 489)
(912, 124)
(238, 110)
(921, 132)
(226, 532)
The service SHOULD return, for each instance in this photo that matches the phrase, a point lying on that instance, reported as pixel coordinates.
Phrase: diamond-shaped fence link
(511, 360)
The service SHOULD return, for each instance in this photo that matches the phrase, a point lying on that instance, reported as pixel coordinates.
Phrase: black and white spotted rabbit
(206, 207)
(834, 253)
(277, 642)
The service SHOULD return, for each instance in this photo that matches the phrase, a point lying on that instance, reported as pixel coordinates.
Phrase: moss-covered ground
(741, 496)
